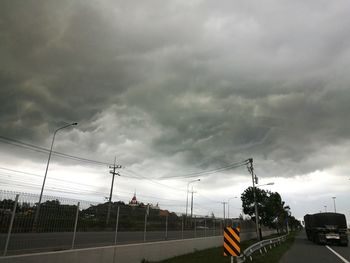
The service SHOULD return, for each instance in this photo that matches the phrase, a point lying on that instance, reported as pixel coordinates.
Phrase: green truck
(323, 228)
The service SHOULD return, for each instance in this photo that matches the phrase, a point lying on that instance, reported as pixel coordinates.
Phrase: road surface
(304, 250)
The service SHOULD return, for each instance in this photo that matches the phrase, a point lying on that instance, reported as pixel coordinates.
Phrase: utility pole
(255, 180)
(188, 184)
(192, 192)
(224, 204)
(113, 172)
(335, 210)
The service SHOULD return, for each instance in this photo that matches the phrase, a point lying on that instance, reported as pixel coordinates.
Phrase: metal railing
(261, 247)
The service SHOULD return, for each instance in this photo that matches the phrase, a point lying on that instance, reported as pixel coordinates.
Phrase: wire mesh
(98, 224)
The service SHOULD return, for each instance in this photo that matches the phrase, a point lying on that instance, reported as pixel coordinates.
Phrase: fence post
(75, 225)
(182, 227)
(214, 226)
(11, 225)
(116, 227)
(195, 227)
(166, 227)
(144, 231)
(205, 227)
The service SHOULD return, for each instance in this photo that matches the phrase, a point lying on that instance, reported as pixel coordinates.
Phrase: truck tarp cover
(326, 219)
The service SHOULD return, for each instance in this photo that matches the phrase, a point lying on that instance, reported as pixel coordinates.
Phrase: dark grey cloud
(204, 82)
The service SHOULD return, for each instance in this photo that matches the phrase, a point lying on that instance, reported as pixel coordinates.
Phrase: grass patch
(274, 255)
(216, 254)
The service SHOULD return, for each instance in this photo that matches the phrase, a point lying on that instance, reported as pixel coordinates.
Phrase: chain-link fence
(65, 224)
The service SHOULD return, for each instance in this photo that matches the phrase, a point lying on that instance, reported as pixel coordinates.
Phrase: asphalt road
(304, 250)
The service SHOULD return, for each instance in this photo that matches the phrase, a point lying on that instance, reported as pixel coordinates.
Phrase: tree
(248, 202)
(271, 209)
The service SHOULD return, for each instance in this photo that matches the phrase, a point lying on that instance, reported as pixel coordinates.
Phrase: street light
(188, 184)
(335, 210)
(47, 167)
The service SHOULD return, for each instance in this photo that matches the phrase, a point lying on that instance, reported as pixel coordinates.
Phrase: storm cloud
(199, 83)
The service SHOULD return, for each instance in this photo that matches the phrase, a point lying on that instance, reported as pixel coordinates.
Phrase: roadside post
(166, 227)
(116, 227)
(214, 232)
(195, 227)
(232, 242)
(182, 227)
(11, 225)
(75, 225)
(145, 229)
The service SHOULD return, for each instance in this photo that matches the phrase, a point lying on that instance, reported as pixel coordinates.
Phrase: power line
(32, 147)
(22, 180)
(190, 175)
(76, 191)
(72, 182)
(29, 146)
(36, 148)
(208, 172)
(155, 182)
(33, 184)
(37, 175)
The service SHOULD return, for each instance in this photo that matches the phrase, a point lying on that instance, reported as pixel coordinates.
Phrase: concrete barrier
(131, 253)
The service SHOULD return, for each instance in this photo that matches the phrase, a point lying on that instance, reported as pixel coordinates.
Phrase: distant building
(156, 207)
(134, 201)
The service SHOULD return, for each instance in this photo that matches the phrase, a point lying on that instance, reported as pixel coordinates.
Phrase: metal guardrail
(260, 246)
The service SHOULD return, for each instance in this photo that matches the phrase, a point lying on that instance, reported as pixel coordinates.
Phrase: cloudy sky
(174, 89)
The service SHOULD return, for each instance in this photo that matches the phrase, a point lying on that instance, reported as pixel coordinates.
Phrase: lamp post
(47, 167)
(335, 210)
(224, 204)
(188, 184)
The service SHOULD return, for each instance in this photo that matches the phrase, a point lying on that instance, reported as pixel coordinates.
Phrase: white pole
(214, 232)
(116, 227)
(195, 227)
(75, 225)
(144, 231)
(166, 227)
(11, 225)
(47, 168)
(182, 228)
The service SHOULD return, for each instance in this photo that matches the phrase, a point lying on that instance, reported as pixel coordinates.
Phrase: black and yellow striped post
(232, 242)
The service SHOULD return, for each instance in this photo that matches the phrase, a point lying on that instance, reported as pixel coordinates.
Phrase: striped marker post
(231, 242)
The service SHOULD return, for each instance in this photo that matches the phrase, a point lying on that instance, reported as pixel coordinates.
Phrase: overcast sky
(172, 88)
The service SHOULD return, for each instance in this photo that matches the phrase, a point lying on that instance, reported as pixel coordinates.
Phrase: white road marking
(339, 256)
